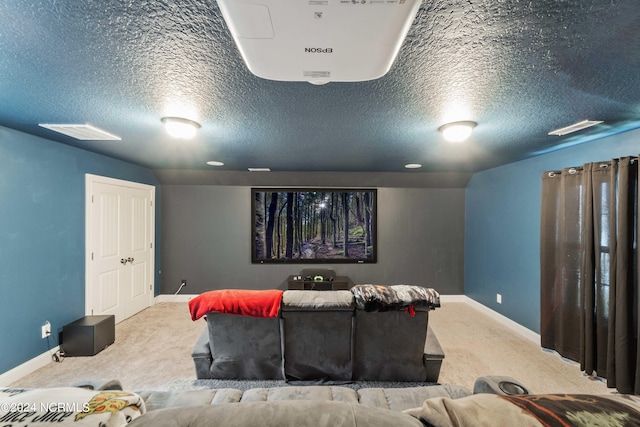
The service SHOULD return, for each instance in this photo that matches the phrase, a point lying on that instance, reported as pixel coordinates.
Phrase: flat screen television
(318, 225)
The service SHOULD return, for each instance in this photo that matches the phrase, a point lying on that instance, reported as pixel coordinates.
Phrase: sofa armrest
(433, 355)
(201, 347)
(201, 355)
(432, 347)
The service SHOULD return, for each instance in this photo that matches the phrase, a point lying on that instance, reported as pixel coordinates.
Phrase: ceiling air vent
(83, 132)
(575, 127)
(338, 40)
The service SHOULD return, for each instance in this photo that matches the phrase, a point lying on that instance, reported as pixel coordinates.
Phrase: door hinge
(151, 245)
(150, 287)
(91, 256)
(92, 198)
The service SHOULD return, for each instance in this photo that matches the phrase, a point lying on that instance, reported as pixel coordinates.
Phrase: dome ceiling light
(457, 131)
(181, 128)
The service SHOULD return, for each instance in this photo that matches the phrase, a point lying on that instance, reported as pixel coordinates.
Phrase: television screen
(294, 225)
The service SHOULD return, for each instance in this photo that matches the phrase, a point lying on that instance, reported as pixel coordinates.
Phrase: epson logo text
(318, 50)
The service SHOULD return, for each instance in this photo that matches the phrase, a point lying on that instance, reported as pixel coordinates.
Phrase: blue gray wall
(206, 239)
(42, 237)
(490, 230)
(502, 231)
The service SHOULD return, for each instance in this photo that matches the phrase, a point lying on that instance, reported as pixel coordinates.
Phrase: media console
(307, 283)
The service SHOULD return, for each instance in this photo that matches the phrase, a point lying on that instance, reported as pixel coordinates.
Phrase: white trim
(20, 371)
(90, 179)
(174, 298)
(453, 298)
(516, 327)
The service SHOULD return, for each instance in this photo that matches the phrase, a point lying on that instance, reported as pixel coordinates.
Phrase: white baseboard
(27, 367)
(516, 327)
(453, 298)
(174, 298)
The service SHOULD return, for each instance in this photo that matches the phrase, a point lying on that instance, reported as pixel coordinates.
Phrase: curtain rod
(575, 169)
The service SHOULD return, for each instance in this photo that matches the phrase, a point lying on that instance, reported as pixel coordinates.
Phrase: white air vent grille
(575, 127)
(83, 132)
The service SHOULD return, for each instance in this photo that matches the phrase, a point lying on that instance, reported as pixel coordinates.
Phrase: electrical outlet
(499, 298)
(46, 329)
(184, 282)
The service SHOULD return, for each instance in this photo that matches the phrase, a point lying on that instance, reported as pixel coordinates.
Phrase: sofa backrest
(317, 328)
(244, 347)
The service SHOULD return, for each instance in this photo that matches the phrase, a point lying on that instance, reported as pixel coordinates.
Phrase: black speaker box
(88, 336)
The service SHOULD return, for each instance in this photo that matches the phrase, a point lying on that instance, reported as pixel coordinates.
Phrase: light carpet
(152, 351)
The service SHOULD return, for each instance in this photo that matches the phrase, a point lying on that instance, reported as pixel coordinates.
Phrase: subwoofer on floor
(88, 336)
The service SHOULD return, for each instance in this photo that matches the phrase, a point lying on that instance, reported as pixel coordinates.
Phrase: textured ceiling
(518, 68)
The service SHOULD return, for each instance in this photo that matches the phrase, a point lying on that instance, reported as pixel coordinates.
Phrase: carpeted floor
(153, 351)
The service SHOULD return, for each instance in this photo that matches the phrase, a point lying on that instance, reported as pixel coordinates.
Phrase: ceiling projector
(319, 41)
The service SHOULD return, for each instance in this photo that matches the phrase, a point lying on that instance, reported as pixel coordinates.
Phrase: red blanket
(243, 302)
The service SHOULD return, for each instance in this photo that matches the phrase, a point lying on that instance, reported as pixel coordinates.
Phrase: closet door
(120, 229)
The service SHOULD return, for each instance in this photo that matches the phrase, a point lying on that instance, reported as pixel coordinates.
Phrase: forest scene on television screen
(314, 225)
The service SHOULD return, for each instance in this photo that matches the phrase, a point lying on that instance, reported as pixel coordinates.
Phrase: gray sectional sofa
(90, 404)
(325, 336)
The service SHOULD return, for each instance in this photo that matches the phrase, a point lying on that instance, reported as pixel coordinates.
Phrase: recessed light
(457, 131)
(575, 127)
(259, 169)
(181, 128)
(413, 166)
(214, 163)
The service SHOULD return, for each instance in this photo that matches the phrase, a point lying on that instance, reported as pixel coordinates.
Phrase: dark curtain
(588, 269)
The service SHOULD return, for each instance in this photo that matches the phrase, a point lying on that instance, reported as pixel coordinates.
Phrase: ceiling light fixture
(575, 127)
(215, 163)
(181, 128)
(413, 166)
(457, 131)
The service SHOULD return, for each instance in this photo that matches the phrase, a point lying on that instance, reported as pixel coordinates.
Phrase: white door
(120, 254)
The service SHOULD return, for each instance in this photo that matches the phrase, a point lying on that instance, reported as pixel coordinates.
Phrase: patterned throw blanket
(68, 406)
(536, 410)
(394, 297)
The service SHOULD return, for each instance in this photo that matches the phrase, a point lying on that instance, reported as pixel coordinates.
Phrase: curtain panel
(588, 269)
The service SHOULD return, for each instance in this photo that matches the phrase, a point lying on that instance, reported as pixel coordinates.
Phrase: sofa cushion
(399, 399)
(278, 414)
(317, 300)
(170, 399)
(341, 394)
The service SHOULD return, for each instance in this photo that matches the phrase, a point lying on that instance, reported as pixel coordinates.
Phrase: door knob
(123, 261)
(130, 260)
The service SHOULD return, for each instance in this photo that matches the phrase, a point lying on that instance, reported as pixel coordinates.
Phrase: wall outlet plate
(499, 298)
(46, 329)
